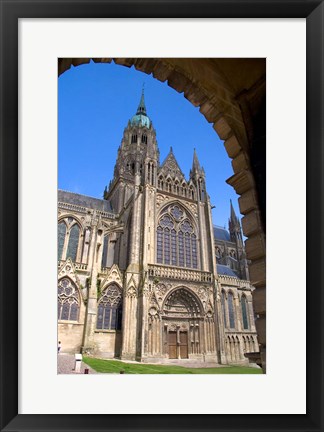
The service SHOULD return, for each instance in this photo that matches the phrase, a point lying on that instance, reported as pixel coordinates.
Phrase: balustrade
(179, 273)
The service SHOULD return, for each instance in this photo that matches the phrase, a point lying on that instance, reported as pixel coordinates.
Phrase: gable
(170, 167)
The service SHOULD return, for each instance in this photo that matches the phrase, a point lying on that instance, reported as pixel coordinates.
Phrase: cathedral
(144, 274)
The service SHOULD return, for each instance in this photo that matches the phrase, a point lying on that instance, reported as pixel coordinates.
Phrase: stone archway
(230, 94)
(183, 325)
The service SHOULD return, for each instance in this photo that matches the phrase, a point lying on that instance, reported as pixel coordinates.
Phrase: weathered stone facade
(142, 274)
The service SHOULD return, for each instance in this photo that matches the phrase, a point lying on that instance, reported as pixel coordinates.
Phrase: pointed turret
(234, 220)
(235, 227)
(141, 118)
(197, 175)
(141, 107)
(137, 157)
(196, 169)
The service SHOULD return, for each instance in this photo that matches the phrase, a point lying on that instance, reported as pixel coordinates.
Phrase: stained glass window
(159, 245)
(68, 302)
(176, 239)
(167, 246)
(73, 242)
(104, 252)
(230, 301)
(224, 308)
(109, 315)
(181, 249)
(244, 313)
(174, 247)
(176, 212)
(194, 251)
(61, 237)
(187, 248)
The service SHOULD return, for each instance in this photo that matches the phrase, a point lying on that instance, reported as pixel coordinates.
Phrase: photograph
(156, 205)
(161, 180)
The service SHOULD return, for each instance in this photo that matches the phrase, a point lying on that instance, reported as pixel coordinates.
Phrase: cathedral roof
(224, 270)
(221, 234)
(84, 201)
(141, 118)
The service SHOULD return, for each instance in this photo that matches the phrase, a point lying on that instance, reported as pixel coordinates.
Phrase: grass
(115, 366)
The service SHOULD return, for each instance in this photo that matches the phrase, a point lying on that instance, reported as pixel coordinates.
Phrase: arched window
(110, 309)
(134, 139)
(218, 253)
(244, 307)
(144, 139)
(176, 239)
(61, 237)
(230, 301)
(68, 302)
(224, 308)
(233, 254)
(184, 190)
(73, 242)
(105, 251)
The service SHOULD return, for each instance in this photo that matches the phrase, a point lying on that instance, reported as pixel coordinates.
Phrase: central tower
(166, 251)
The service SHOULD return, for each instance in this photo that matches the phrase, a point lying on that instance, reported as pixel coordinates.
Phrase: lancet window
(105, 251)
(244, 307)
(176, 239)
(231, 315)
(109, 315)
(224, 308)
(61, 238)
(73, 242)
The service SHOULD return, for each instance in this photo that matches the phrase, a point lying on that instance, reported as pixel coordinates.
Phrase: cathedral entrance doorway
(172, 344)
(178, 345)
(182, 324)
(183, 345)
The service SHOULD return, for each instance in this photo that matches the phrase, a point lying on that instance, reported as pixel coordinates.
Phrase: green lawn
(115, 366)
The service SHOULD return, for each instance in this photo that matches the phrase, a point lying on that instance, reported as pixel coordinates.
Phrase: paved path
(188, 363)
(65, 365)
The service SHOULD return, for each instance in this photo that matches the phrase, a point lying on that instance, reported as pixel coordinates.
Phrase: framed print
(202, 50)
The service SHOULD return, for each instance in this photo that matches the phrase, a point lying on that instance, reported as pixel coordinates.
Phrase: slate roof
(84, 201)
(224, 270)
(221, 234)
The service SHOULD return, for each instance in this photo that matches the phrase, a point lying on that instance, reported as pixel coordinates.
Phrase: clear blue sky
(95, 102)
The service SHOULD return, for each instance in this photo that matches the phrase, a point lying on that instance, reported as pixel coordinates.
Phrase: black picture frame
(11, 11)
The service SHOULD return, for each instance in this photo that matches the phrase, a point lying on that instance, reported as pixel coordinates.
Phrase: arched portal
(183, 325)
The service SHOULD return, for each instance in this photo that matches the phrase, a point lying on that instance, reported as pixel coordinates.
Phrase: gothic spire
(234, 219)
(141, 107)
(195, 164)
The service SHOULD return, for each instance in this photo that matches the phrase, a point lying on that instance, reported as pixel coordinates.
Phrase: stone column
(219, 325)
(86, 242)
(133, 276)
(238, 312)
(129, 324)
(91, 311)
(249, 305)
